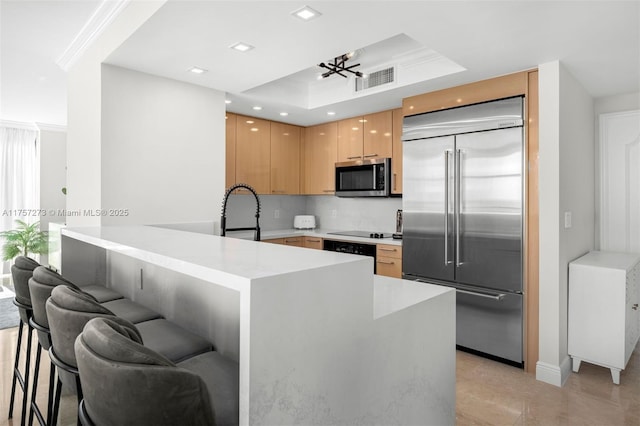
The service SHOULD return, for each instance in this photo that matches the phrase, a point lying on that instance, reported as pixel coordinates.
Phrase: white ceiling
(598, 42)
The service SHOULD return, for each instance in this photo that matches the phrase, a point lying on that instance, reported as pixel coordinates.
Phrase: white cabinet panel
(604, 317)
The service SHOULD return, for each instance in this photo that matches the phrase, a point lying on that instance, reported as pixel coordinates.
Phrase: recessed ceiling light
(257, 108)
(241, 47)
(197, 70)
(306, 13)
(227, 101)
(284, 114)
(331, 113)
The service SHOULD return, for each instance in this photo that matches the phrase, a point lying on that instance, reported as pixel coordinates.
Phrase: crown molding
(51, 127)
(106, 12)
(18, 125)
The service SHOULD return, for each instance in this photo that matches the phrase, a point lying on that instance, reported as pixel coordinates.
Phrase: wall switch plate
(276, 214)
(567, 219)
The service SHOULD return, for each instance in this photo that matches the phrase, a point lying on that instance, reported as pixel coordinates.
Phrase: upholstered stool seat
(44, 280)
(102, 294)
(145, 388)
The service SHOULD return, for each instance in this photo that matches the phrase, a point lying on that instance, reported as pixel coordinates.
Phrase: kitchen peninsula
(319, 339)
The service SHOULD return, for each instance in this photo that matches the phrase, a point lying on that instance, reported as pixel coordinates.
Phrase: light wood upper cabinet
(285, 159)
(230, 148)
(253, 153)
(350, 134)
(396, 161)
(321, 153)
(369, 136)
(377, 138)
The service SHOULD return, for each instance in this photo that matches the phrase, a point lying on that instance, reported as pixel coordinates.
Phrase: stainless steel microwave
(370, 177)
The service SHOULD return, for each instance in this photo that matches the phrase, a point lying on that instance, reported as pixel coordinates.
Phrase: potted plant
(25, 239)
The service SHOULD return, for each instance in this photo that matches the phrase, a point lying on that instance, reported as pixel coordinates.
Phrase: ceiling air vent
(375, 79)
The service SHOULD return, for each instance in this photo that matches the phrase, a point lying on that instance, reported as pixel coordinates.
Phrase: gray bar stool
(69, 309)
(41, 284)
(21, 271)
(147, 388)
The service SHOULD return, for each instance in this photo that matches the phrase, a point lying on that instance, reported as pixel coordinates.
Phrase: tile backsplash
(332, 213)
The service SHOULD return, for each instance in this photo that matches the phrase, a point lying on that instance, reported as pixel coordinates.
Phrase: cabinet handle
(277, 191)
(395, 179)
(386, 263)
(327, 190)
(313, 241)
(294, 240)
(386, 249)
(370, 155)
(353, 158)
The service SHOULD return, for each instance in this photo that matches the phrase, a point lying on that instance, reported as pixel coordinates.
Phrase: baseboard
(555, 375)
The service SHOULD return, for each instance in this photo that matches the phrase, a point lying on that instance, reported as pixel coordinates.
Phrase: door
(489, 201)
(490, 322)
(427, 208)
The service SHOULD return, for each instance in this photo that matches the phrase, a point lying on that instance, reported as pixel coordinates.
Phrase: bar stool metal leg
(44, 340)
(20, 378)
(15, 368)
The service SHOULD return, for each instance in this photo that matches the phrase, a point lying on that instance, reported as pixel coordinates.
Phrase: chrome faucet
(223, 220)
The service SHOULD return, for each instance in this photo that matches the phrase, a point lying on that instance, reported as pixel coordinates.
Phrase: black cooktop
(362, 234)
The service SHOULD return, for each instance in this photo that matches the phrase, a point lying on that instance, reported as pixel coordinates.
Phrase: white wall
(162, 153)
(53, 177)
(84, 113)
(567, 184)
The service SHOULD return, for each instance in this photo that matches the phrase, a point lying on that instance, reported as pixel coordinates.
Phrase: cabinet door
(313, 242)
(389, 260)
(378, 135)
(396, 159)
(321, 152)
(285, 159)
(230, 149)
(253, 153)
(350, 133)
(293, 241)
(274, 241)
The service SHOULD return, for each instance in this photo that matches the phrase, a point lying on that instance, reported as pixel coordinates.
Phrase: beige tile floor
(488, 393)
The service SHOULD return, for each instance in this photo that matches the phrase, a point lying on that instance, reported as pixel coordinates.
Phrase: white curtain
(19, 178)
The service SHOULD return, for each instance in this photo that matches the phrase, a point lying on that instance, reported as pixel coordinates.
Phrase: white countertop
(208, 257)
(320, 233)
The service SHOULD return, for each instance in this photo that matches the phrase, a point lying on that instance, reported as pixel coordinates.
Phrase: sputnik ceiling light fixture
(338, 66)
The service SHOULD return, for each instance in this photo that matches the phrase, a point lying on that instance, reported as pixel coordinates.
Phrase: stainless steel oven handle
(446, 207)
(458, 196)
(498, 296)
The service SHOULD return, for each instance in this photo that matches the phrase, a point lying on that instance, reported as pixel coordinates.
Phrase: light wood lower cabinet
(288, 241)
(389, 260)
(274, 241)
(313, 242)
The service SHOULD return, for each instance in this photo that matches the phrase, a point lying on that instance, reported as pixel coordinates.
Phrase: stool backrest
(21, 272)
(147, 389)
(41, 285)
(68, 310)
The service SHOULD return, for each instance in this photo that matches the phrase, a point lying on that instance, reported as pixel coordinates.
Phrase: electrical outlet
(334, 213)
(276, 214)
(567, 219)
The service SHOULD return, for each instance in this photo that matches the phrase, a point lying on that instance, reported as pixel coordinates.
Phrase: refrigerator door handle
(498, 296)
(446, 207)
(458, 204)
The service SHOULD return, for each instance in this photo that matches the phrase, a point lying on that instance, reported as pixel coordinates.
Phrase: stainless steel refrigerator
(462, 209)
